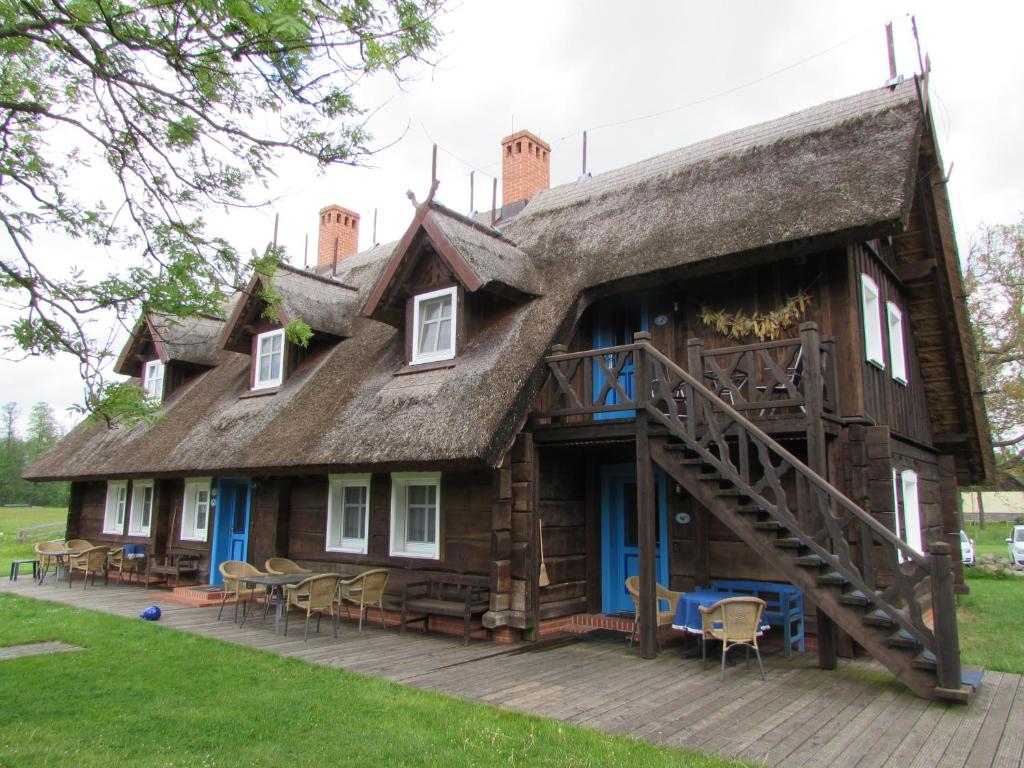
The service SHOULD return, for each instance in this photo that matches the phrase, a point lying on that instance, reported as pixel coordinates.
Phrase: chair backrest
(78, 545)
(50, 548)
(91, 559)
(367, 587)
(116, 557)
(233, 570)
(318, 590)
(735, 618)
(283, 566)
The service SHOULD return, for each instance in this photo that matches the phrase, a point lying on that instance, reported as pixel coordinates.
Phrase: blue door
(620, 542)
(614, 324)
(230, 523)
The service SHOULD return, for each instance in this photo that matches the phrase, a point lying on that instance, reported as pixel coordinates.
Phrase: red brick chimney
(339, 235)
(525, 166)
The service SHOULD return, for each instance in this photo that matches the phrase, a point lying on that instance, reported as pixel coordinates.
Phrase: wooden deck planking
(799, 716)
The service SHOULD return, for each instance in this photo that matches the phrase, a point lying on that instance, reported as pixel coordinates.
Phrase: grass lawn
(13, 518)
(992, 540)
(144, 695)
(992, 622)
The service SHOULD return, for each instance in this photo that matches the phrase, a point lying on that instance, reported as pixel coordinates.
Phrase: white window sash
(196, 499)
(872, 310)
(338, 510)
(897, 347)
(140, 519)
(153, 379)
(400, 544)
(911, 510)
(896, 510)
(417, 324)
(113, 512)
(264, 348)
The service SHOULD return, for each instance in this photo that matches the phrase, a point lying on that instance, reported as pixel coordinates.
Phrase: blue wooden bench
(784, 607)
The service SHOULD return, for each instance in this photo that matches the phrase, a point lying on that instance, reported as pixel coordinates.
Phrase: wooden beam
(647, 514)
(916, 271)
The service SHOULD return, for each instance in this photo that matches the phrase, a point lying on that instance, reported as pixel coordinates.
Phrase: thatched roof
(845, 167)
(174, 339)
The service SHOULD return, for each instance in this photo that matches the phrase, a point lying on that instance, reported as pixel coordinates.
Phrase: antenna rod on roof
(584, 153)
(433, 167)
(471, 191)
(892, 53)
(494, 201)
(374, 226)
(305, 253)
(334, 261)
(277, 217)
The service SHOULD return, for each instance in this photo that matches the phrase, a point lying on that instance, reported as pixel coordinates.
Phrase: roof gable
(193, 340)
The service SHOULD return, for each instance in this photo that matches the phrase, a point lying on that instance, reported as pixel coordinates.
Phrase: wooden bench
(446, 595)
(176, 563)
(784, 607)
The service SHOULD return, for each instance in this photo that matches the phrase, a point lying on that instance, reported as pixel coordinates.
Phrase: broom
(543, 579)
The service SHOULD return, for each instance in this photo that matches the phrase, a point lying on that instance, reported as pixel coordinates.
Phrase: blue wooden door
(614, 324)
(621, 551)
(231, 524)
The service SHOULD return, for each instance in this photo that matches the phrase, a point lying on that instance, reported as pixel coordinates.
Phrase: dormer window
(434, 316)
(269, 362)
(153, 380)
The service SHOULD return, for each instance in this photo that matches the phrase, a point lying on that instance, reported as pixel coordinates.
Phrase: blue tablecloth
(688, 616)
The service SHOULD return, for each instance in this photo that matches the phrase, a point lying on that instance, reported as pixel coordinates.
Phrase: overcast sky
(558, 68)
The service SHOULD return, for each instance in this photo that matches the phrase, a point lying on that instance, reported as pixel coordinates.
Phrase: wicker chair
(117, 560)
(735, 621)
(365, 590)
(665, 616)
(89, 561)
(313, 595)
(231, 571)
(48, 553)
(77, 545)
(283, 566)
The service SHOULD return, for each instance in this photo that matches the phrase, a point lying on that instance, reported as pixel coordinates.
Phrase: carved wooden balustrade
(898, 580)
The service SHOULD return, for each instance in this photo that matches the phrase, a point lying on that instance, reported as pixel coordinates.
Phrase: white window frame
(336, 541)
(871, 304)
(432, 357)
(897, 526)
(153, 373)
(115, 510)
(897, 344)
(194, 488)
(400, 546)
(273, 381)
(135, 517)
(911, 510)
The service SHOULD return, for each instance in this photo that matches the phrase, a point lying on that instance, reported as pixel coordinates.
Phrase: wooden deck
(801, 716)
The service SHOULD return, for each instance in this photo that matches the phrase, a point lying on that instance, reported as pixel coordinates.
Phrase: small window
(269, 359)
(911, 510)
(153, 379)
(348, 513)
(872, 321)
(195, 516)
(416, 514)
(114, 512)
(897, 349)
(434, 326)
(141, 516)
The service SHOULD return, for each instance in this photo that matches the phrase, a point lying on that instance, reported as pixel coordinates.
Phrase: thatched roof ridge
(324, 303)
(193, 340)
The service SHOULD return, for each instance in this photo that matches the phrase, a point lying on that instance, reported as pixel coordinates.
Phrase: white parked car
(1016, 542)
(966, 549)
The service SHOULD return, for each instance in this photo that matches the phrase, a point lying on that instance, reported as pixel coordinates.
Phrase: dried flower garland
(766, 326)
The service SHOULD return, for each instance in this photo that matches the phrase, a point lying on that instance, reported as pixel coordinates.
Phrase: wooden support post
(828, 645)
(947, 640)
(647, 517)
(695, 367)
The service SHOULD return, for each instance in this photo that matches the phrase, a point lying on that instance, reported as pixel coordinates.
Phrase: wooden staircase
(897, 603)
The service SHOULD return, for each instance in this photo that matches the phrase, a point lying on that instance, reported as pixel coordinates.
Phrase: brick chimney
(339, 235)
(525, 166)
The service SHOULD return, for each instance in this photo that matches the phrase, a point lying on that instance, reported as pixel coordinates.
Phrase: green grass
(991, 540)
(992, 622)
(13, 518)
(145, 695)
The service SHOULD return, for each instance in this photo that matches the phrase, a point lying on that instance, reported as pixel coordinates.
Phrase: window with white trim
(113, 513)
(911, 510)
(872, 309)
(140, 518)
(897, 528)
(348, 513)
(153, 379)
(416, 514)
(269, 362)
(897, 349)
(195, 516)
(433, 323)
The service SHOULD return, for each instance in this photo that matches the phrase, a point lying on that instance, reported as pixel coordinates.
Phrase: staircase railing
(898, 580)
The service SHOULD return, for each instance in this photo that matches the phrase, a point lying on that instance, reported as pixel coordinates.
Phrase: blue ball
(152, 613)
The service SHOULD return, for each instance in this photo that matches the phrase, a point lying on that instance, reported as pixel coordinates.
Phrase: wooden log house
(746, 359)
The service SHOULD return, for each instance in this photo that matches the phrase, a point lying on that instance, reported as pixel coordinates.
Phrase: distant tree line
(19, 451)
